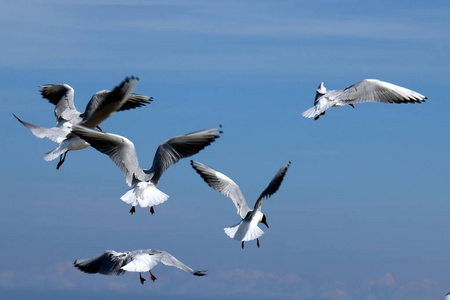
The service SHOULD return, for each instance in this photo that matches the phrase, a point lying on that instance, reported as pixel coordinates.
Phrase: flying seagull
(143, 182)
(247, 229)
(117, 263)
(102, 105)
(367, 90)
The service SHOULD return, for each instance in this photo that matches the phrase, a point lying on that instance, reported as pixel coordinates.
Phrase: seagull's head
(264, 220)
(321, 89)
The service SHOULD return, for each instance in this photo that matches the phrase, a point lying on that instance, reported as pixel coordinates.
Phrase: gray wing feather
(61, 95)
(108, 263)
(120, 149)
(56, 134)
(169, 260)
(273, 186)
(135, 100)
(372, 90)
(176, 148)
(105, 103)
(222, 183)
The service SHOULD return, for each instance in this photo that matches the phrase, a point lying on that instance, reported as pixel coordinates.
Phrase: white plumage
(247, 229)
(117, 263)
(102, 105)
(368, 90)
(143, 183)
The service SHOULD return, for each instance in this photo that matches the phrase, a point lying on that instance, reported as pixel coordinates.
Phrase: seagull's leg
(62, 158)
(242, 245)
(133, 210)
(141, 278)
(153, 278)
(98, 127)
(152, 211)
(257, 242)
(351, 104)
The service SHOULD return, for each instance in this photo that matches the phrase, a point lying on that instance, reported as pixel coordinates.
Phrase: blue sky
(362, 212)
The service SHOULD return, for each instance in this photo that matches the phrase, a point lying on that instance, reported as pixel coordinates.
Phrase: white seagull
(143, 182)
(247, 229)
(102, 105)
(117, 263)
(367, 90)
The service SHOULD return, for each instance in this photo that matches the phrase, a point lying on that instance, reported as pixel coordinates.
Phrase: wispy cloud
(249, 283)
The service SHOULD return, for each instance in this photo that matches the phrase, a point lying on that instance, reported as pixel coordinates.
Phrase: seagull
(102, 105)
(447, 297)
(117, 263)
(247, 229)
(143, 182)
(367, 90)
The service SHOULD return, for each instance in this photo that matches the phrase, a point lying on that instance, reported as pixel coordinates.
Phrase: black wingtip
(200, 273)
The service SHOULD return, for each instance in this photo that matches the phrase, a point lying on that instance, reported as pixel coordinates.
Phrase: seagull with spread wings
(368, 90)
(102, 105)
(117, 263)
(247, 229)
(143, 182)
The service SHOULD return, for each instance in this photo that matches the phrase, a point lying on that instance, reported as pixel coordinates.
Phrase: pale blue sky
(362, 212)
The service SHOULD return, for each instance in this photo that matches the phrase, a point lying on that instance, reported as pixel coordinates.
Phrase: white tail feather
(55, 153)
(310, 113)
(244, 231)
(145, 194)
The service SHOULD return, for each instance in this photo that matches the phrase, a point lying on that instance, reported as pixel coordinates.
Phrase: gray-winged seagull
(247, 229)
(143, 182)
(117, 263)
(102, 105)
(368, 90)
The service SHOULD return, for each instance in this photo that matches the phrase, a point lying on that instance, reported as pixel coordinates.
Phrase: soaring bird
(102, 105)
(367, 90)
(247, 229)
(143, 182)
(117, 263)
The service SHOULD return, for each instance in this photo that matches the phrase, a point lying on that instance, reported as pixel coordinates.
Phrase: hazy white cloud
(249, 283)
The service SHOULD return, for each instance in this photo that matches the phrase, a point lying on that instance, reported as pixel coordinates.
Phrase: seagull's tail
(310, 113)
(244, 231)
(145, 194)
(55, 153)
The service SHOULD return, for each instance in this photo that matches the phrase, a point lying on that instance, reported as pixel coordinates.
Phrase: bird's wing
(61, 95)
(56, 134)
(135, 100)
(273, 186)
(372, 90)
(108, 263)
(176, 148)
(142, 261)
(120, 149)
(169, 260)
(105, 103)
(224, 185)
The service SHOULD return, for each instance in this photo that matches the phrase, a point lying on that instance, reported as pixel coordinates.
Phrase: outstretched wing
(120, 149)
(273, 186)
(224, 185)
(176, 148)
(61, 95)
(136, 100)
(169, 260)
(372, 90)
(105, 103)
(56, 134)
(108, 263)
